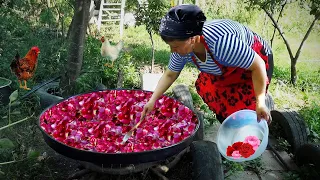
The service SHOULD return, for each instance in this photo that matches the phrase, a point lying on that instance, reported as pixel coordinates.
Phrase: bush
(311, 115)
(94, 71)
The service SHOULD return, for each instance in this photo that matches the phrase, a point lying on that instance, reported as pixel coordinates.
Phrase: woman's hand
(263, 112)
(164, 83)
(147, 108)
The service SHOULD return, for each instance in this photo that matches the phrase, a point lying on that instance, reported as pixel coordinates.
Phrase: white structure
(109, 14)
(150, 81)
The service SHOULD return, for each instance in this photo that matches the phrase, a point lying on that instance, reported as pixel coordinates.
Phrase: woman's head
(180, 46)
(181, 24)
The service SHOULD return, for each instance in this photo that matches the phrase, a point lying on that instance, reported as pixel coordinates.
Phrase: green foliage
(282, 145)
(312, 5)
(6, 143)
(311, 114)
(47, 16)
(228, 10)
(231, 168)
(266, 4)
(21, 26)
(255, 165)
(94, 71)
(33, 154)
(291, 176)
(13, 96)
(150, 14)
(15, 148)
(6, 147)
(209, 116)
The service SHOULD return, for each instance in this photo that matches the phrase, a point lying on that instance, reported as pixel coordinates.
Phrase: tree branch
(14, 161)
(152, 44)
(294, 61)
(17, 122)
(280, 32)
(280, 14)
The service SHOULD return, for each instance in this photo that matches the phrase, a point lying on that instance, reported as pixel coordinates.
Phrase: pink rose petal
(236, 154)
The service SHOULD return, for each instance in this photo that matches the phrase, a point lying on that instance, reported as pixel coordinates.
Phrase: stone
(244, 175)
(270, 161)
(272, 175)
(288, 160)
(211, 132)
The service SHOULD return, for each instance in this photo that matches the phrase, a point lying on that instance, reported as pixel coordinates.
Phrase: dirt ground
(62, 167)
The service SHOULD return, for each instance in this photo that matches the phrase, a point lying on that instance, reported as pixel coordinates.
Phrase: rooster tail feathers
(14, 65)
(119, 45)
(17, 57)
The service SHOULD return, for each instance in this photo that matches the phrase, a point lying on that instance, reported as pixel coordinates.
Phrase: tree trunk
(62, 26)
(76, 47)
(71, 3)
(70, 28)
(152, 43)
(293, 74)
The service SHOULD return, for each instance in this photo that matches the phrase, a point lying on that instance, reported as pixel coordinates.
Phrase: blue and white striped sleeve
(231, 51)
(176, 62)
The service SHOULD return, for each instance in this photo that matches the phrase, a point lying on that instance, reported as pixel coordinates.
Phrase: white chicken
(108, 50)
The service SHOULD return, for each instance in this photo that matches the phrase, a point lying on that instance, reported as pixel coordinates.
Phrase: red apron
(233, 90)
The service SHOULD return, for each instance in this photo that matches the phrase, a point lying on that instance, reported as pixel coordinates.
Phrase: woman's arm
(164, 83)
(259, 79)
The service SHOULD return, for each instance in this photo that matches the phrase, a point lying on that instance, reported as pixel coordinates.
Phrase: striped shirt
(230, 43)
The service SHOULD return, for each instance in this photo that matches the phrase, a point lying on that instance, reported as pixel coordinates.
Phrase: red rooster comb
(102, 39)
(35, 48)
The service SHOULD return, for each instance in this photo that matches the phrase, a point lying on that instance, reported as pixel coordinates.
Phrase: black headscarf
(182, 21)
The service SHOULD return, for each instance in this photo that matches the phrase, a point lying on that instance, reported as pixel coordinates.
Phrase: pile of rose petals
(98, 121)
(244, 149)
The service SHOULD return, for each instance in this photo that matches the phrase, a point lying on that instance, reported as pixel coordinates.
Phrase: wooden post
(123, 5)
(100, 15)
(92, 7)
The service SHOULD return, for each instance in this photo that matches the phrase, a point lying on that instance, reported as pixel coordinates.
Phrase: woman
(233, 60)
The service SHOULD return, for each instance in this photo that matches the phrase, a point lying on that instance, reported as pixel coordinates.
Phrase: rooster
(25, 68)
(108, 50)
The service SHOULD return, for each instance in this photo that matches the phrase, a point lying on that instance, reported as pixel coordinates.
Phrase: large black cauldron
(116, 158)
